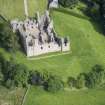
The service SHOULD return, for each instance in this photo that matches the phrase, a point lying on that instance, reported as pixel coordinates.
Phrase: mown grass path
(48, 56)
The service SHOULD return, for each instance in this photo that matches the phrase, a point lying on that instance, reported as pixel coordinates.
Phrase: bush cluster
(13, 74)
(8, 40)
(49, 82)
(68, 3)
(92, 79)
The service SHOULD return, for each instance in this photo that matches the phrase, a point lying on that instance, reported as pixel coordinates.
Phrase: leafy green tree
(35, 78)
(99, 73)
(8, 39)
(1, 74)
(81, 81)
(16, 73)
(90, 83)
(71, 82)
(20, 76)
(9, 84)
(95, 77)
(68, 3)
(54, 84)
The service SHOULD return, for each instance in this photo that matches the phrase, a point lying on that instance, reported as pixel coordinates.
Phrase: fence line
(24, 97)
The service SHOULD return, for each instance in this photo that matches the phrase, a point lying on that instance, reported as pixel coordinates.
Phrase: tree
(8, 39)
(71, 82)
(90, 83)
(1, 74)
(81, 81)
(95, 77)
(68, 3)
(9, 83)
(20, 76)
(16, 74)
(99, 71)
(54, 84)
(35, 78)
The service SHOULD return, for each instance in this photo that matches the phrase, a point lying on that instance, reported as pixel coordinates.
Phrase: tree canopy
(8, 39)
(68, 3)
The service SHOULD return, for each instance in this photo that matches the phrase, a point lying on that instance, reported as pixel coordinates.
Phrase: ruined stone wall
(46, 48)
(42, 49)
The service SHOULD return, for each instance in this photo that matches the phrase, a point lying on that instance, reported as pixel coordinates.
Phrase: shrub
(54, 84)
(20, 75)
(68, 3)
(9, 84)
(81, 81)
(35, 78)
(8, 39)
(95, 77)
(13, 72)
(71, 82)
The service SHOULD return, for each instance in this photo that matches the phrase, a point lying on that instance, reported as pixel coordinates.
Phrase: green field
(11, 9)
(11, 97)
(37, 96)
(87, 47)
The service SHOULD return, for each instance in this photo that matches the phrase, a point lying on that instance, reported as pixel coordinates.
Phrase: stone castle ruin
(38, 35)
(53, 4)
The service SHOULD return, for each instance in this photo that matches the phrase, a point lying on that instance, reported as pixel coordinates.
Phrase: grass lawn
(37, 96)
(15, 8)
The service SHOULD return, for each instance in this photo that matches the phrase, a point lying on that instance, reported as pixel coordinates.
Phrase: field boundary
(49, 56)
(24, 97)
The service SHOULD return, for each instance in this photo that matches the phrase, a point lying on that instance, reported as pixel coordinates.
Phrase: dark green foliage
(54, 84)
(68, 3)
(9, 84)
(95, 77)
(102, 11)
(81, 81)
(96, 9)
(20, 76)
(93, 9)
(14, 74)
(1, 75)
(35, 78)
(49, 82)
(2, 62)
(90, 83)
(71, 82)
(8, 39)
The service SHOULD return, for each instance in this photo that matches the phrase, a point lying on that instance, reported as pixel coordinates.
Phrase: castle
(38, 35)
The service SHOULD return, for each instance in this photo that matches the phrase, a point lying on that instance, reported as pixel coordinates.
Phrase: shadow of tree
(97, 25)
(3, 18)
